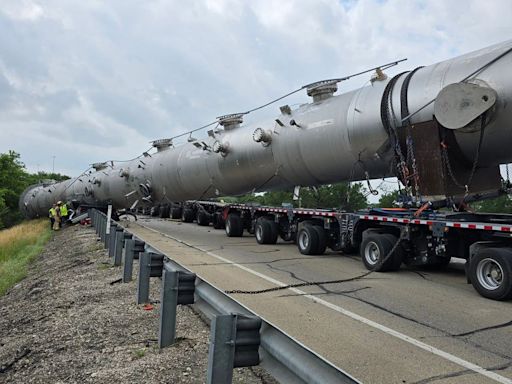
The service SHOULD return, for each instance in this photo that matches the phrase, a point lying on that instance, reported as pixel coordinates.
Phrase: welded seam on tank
(429, 348)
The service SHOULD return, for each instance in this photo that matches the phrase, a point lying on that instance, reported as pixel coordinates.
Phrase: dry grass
(19, 245)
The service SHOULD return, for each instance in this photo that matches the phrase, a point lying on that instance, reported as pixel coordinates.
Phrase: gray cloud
(88, 81)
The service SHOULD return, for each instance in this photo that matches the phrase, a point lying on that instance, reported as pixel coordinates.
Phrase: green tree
(13, 180)
(502, 204)
(340, 196)
(388, 200)
(324, 196)
(35, 178)
(276, 198)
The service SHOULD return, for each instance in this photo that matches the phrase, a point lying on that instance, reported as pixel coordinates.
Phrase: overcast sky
(88, 81)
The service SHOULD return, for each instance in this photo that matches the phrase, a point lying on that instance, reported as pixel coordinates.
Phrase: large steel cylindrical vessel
(334, 138)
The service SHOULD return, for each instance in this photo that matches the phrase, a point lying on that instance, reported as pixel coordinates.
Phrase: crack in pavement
(382, 308)
(503, 325)
(422, 275)
(398, 314)
(432, 379)
(326, 293)
(255, 262)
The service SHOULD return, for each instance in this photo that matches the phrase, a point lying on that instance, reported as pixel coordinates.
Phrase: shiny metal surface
(331, 139)
(489, 274)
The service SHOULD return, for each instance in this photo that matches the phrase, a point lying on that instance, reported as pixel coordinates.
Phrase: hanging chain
(446, 159)
(402, 237)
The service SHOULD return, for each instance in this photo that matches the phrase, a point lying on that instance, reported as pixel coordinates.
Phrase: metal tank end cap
(458, 104)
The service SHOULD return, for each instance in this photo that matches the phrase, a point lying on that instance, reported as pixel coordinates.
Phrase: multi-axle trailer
(385, 238)
(443, 130)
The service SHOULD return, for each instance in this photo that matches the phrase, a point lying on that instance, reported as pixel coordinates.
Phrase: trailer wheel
(187, 215)
(234, 227)
(266, 231)
(176, 213)
(395, 260)
(490, 272)
(203, 218)
(164, 211)
(374, 249)
(322, 240)
(308, 240)
(218, 221)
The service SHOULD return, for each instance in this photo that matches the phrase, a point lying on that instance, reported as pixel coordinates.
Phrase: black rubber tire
(203, 218)
(483, 282)
(375, 247)
(218, 221)
(176, 213)
(274, 228)
(395, 260)
(165, 211)
(265, 231)
(322, 240)
(307, 240)
(187, 215)
(234, 227)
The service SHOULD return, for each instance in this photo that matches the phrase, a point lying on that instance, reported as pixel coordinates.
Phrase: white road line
(436, 351)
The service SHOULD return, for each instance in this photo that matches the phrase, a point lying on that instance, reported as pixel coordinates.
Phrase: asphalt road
(411, 326)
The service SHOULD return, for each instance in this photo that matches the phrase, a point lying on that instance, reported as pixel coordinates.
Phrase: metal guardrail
(283, 357)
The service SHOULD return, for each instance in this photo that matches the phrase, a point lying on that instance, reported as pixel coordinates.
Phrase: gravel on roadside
(66, 323)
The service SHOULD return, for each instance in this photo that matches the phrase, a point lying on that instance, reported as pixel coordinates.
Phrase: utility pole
(53, 164)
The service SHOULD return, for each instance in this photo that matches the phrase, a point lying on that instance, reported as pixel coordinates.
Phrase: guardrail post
(168, 306)
(106, 237)
(221, 353)
(150, 265)
(100, 225)
(101, 229)
(143, 281)
(129, 245)
(177, 288)
(235, 340)
(112, 239)
(95, 219)
(132, 249)
(121, 236)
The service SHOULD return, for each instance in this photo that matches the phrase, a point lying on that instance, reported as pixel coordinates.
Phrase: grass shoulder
(19, 245)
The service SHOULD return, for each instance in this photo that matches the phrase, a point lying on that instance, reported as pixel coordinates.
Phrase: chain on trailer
(446, 159)
(402, 237)
(404, 106)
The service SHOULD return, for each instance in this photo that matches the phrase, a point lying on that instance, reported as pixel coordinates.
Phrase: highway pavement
(412, 326)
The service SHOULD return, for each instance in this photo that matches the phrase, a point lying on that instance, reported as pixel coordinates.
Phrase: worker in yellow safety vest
(63, 210)
(51, 214)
